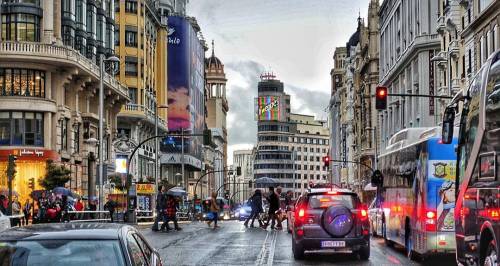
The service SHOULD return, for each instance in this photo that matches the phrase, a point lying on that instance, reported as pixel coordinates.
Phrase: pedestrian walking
(79, 207)
(214, 210)
(255, 203)
(171, 214)
(160, 208)
(3, 207)
(16, 210)
(274, 204)
(110, 206)
(26, 212)
(279, 212)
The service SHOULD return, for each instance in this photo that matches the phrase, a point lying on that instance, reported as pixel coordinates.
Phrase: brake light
(363, 213)
(430, 221)
(490, 213)
(302, 213)
(332, 192)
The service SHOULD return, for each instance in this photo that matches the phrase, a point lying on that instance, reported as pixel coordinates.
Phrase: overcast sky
(293, 38)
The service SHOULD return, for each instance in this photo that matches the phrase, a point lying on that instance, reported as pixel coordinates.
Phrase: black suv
(330, 221)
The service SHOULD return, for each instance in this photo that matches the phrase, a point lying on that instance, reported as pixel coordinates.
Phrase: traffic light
(250, 184)
(381, 98)
(326, 161)
(238, 170)
(207, 137)
(11, 167)
(31, 183)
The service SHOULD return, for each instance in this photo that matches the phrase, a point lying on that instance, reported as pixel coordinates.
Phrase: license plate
(332, 244)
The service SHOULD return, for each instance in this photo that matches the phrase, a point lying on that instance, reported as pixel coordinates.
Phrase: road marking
(266, 254)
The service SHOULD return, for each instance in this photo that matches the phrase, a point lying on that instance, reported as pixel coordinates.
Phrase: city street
(233, 244)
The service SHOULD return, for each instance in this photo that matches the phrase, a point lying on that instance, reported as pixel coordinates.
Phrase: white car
(4, 222)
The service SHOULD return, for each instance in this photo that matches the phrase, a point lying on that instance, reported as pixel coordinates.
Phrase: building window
(131, 6)
(64, 133)
(132, 93)
(76, 137)
(131, 38)
(21, 129)
(20, 27)
(22, 82)
(131, 68)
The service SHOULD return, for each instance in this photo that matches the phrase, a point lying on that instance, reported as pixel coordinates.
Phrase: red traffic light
(381, 98)
(326, 159)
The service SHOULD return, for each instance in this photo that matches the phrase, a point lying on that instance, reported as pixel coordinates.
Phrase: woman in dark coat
(256, 204)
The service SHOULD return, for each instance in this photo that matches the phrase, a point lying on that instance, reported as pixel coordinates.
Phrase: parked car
(76, 244)
(330, 220)
(4, 222)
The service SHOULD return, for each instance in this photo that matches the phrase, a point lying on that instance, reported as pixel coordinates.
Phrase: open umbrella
(176, 192)
(265, 181)
(65, 192)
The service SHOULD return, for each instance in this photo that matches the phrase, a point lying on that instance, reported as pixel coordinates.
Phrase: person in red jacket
(171, 214)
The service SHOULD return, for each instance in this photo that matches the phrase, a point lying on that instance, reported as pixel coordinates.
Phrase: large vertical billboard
(267, 108)
(186, 69)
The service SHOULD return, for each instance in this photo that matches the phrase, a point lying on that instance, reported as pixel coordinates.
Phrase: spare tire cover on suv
(337, 220)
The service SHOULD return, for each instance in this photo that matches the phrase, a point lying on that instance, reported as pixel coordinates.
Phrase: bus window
(493, 106)
(471, 122)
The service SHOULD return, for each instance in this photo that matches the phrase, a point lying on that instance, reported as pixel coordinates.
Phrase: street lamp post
(157, 146)
(112, 59)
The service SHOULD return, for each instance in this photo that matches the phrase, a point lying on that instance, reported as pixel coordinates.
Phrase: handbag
(210, 216)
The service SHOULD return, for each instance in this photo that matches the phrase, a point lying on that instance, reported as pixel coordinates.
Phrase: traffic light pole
(419, 95)
(207, 173)
(130, 208)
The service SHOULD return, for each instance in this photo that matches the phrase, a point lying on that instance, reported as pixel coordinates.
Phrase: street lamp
(111, 59)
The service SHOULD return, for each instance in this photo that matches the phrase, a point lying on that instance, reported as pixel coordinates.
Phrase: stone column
(48, 21)
(57, 19)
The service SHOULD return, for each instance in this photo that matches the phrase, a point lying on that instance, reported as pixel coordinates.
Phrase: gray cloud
(243, 89)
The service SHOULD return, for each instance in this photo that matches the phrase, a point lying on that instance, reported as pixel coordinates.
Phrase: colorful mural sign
(267, 108)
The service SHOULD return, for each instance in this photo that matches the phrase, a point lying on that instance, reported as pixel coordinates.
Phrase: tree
(117, 181)
(55, 176)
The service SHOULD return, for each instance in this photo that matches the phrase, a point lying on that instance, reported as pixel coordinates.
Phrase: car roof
(326, 190)
(66, 231)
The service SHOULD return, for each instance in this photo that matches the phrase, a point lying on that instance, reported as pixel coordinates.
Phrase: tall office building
(141, 44)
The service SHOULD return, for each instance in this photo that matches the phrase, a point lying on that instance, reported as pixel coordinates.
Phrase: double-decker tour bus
(417, 192)
(477, 212)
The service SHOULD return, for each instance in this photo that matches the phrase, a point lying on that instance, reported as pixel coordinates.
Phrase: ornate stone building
(49, 84)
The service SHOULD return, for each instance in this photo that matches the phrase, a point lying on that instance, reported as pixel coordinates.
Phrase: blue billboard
(186, 84)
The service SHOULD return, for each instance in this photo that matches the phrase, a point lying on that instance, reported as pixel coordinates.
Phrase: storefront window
(20, 27)
(21, 128)
(22, 82)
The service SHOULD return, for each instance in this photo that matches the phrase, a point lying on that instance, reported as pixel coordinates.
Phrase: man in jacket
(274, 205)
(160, 207)
(255, 203)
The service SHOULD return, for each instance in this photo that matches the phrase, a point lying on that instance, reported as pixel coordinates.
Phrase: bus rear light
(430, 227)
(490, 213)
(430, 221)
(431, 215)
(442, 243)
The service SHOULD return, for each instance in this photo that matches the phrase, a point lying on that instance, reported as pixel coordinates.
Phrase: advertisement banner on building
(186, 69)
(267, 108)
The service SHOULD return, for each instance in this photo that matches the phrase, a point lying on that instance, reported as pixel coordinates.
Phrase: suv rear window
(323, 201)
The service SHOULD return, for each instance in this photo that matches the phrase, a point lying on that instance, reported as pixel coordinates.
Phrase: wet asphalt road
(233, 244)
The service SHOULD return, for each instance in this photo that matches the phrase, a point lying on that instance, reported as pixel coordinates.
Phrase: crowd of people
(276, 213)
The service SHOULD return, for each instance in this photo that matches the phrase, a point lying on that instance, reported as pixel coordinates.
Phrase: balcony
(441, 25)
(59, 56)
(140, 111)
(456, 85)
(454, 49)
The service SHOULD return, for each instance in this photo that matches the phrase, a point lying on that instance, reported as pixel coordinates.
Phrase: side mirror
(448, 125)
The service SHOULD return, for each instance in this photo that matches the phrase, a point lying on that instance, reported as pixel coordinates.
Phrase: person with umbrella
(256, 204)
(274, 205)
(171, 214)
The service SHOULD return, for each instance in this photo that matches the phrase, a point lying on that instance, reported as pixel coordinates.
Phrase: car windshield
(323, 201)
(61, 253)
